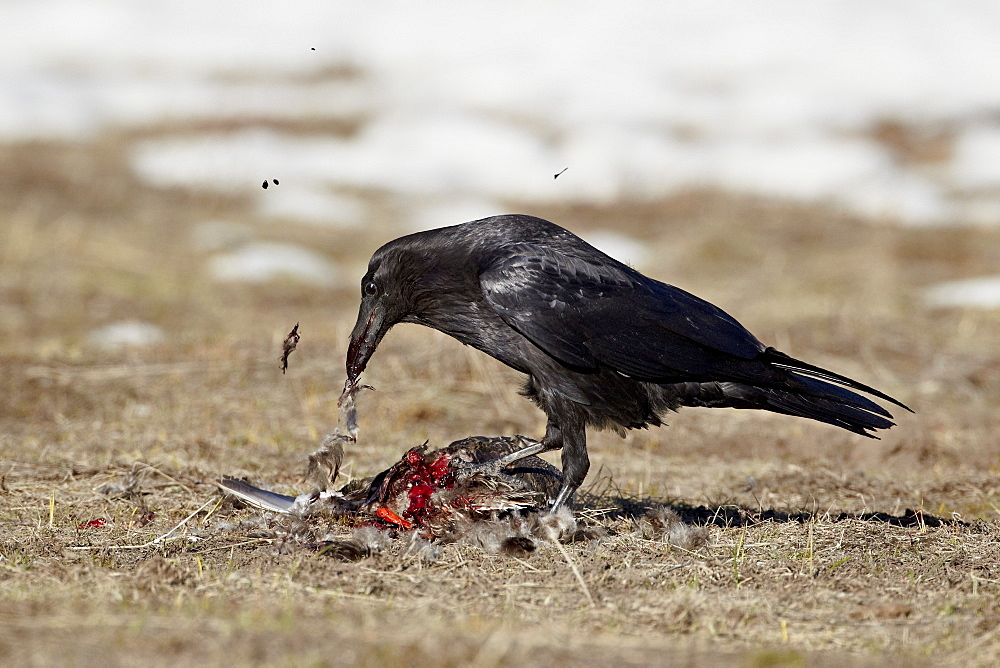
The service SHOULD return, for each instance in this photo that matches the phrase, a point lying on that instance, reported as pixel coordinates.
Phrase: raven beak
(368, 331)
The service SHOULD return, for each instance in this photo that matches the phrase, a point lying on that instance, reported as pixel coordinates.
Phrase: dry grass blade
(576, 574)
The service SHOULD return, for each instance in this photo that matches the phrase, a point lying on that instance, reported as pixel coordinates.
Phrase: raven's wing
(587, 310)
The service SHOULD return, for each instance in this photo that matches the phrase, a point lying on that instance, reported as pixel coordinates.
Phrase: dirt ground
(824, 548)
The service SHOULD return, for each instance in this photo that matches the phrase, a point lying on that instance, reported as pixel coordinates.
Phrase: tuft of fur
(662, 523)
(373, 538)
(255, 523)
(420, 548)
(518, 534)
(343, 549)
(222, 526)
(517, 546)
(363, 542)
(556, 526)
(488, 535)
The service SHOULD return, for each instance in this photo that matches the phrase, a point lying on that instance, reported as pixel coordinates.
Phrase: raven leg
(575, 462)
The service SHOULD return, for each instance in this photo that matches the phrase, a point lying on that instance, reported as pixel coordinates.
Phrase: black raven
(601, 344)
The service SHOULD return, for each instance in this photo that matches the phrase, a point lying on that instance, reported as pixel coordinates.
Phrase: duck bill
(367, 334)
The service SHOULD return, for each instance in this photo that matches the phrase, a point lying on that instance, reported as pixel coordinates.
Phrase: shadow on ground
(736, 515)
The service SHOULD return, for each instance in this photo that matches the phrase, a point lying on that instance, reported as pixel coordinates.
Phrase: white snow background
(465, 105)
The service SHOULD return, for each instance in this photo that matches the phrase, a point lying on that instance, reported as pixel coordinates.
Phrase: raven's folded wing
(587, 310)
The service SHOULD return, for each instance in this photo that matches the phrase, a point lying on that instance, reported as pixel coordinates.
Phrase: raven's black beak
(368, 331)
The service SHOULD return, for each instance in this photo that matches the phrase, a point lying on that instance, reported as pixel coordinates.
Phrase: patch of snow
(451, 154)
(900, 197)
(79, 105)
(976, 161)
(639, 99)
(235, 161)
(808, 167)
(982, 211)
(259, 262)
(311, 205)
(975, 292)
(621, 247)
(126, 334)
(428, 216)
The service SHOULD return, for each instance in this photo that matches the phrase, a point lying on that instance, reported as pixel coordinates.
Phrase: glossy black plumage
(602, 345)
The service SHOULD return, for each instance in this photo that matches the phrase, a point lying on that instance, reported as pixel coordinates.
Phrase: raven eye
(371, 289)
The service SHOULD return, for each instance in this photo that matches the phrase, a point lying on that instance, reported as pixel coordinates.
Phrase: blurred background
(889, 110)
(828, 172)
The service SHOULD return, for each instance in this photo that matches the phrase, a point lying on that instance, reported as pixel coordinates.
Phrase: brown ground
(826, 548)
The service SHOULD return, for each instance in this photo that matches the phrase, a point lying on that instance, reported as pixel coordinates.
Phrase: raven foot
(564, 498)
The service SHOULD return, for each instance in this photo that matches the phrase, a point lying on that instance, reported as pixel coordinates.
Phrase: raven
(601, 344)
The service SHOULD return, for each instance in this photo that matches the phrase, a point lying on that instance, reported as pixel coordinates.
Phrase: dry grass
(825, 548)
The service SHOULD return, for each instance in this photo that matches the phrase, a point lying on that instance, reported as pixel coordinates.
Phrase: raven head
(409, 280)
(384, 302)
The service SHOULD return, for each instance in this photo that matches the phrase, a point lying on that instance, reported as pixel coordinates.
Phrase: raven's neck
(473, 322)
